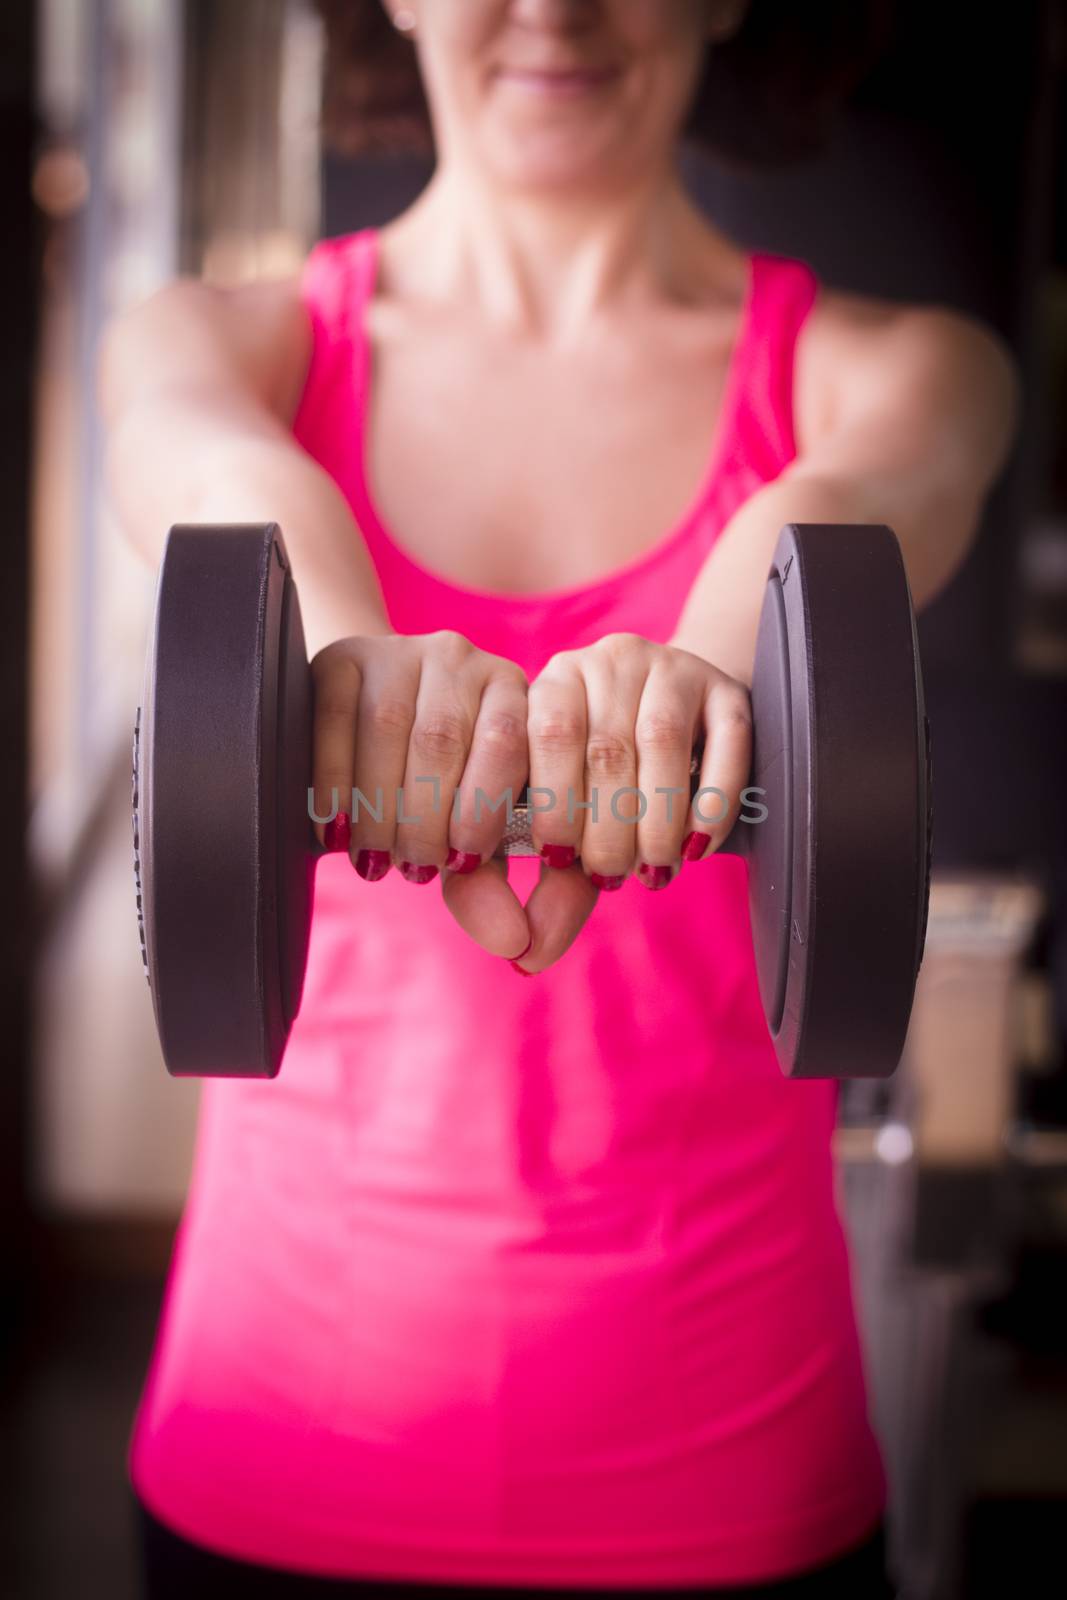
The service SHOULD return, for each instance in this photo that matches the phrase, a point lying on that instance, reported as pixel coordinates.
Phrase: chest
(503, 466)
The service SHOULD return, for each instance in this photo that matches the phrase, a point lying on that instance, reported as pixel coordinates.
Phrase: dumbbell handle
(517, 839)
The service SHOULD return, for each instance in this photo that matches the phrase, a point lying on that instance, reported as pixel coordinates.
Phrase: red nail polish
(463, 860)
(414, 873)
(514, 965)
(338, 832)
(520, 955)
(694, 845)
(654, 877)
(599, 881)
(373, 864)
(558, 855)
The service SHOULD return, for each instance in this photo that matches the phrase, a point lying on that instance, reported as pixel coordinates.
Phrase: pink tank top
(520, 1282)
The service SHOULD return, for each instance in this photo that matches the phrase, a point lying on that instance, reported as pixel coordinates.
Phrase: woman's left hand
(618, 716)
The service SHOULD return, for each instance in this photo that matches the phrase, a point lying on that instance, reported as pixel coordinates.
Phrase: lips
(558, 77)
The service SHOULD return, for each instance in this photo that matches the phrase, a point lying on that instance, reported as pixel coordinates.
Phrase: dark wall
(19, 278)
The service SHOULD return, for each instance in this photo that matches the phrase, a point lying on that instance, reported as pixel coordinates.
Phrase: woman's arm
(925, 412)
(198, 386)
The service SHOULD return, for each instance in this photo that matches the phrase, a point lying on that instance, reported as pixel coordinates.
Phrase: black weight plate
(770, 841)
(223, 975)
(295, 838)
(858, 884)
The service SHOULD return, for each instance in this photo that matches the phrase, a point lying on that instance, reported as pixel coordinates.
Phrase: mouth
(572, 81)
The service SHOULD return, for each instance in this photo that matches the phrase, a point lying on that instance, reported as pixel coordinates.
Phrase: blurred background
(146, 138)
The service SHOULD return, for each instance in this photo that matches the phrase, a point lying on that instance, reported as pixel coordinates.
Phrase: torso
(552, 1179)
(499, 464)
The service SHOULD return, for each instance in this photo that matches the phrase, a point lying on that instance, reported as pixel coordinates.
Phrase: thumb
(487, 907)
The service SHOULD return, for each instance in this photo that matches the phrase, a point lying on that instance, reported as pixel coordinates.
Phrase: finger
(336, 686)
(445, 708)
(668, 719)
(494, 773)
(383, 728)
(556, 912)
(615, 669)
(557, 726)
(487, 908)
(726, 763)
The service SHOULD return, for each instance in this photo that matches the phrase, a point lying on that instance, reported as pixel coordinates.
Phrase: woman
(534, 1286)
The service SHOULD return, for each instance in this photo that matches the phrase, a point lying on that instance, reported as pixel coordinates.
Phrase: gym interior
(152, 138)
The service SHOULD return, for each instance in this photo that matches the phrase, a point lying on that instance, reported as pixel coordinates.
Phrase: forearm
(934, 526)
(256, 479)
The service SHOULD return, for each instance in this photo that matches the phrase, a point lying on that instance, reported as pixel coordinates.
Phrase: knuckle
(331, 771)
(734, 715)
(617, 644)
(453, 645)
(440, 733)
(502, 732)
(331, 707)
(608, 754)
(334, 664)
(336, 688)
(728, 692)
(663, 731)
(560, 666)
(507, 671)
(389, 718)
(558, 731)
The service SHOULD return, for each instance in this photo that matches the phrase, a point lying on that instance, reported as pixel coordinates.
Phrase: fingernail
(520, 955)
(693, 845)
(599, 881)
(558, 855)
(514, 965)
(654, 877)
(373, 864)
(463, 860)
(338, 832)
(414, 873)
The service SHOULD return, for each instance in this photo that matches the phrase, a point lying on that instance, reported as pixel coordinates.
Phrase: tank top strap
(785, 289)
(335, 281)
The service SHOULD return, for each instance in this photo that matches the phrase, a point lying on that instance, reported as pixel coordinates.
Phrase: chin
(561, 160)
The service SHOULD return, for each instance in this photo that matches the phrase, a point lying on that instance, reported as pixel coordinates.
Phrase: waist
(423, 1255)
(510, 1396)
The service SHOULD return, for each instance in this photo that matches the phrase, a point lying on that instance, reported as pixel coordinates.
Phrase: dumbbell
(838, 867)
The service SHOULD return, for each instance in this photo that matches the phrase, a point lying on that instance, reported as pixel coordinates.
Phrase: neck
(544, 265)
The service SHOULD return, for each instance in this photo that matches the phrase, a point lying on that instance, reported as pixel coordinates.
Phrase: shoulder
(270, 333)
(860, 355)
(189, 329)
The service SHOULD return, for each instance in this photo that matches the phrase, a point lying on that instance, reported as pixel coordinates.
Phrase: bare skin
(553, 273)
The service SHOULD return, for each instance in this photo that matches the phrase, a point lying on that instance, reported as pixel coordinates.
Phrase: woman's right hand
(395, 708)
